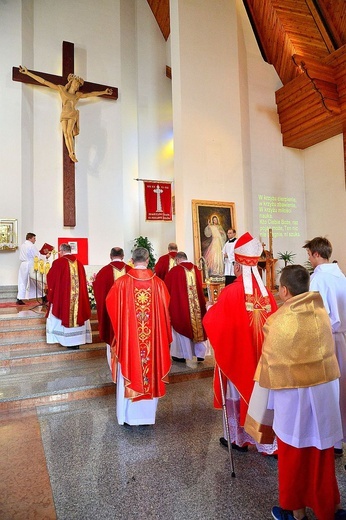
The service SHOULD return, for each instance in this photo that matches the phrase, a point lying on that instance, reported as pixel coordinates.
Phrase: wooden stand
(270, 273)
(213, 289)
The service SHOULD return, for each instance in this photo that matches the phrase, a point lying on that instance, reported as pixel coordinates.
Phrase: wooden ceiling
(160, 9)
(305, 41)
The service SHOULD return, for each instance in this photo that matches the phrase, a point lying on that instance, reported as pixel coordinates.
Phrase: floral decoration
(90, 287)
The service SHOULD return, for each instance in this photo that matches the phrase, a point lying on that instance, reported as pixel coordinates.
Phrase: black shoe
(235, 446)
(243, 449)
(338, 452)
(224, 442)
(200, 359)
(74, 347)
(340, 514)
(179, 359)
(20, 302)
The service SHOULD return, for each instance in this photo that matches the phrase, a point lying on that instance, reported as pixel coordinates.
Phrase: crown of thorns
(71, 77)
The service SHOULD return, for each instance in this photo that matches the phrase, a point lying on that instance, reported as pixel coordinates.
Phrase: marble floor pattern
(73, 461)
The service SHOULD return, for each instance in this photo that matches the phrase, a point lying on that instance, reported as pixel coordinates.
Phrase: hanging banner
(158, 200)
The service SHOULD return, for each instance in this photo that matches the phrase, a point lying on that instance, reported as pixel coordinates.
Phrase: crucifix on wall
(71, 89)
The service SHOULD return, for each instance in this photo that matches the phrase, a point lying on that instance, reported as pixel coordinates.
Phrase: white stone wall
(220, 106)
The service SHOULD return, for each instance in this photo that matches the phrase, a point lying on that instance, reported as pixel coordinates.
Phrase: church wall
(326, 194)
(106, 38)
(227, 139)
(10, 130)
(155, 134)
(228, 144)
(95, 33)
(125, 214)
(277, 172)
(313, 178)
(208, 158)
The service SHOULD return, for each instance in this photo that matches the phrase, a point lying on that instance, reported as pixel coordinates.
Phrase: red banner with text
(158, 200)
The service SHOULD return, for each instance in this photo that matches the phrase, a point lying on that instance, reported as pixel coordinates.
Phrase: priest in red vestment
(104, 280)
(137, 305)
(166, 262)
(186, 310)
(234, 328)
(68, 302)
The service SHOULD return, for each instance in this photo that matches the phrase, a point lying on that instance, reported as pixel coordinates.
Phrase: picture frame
(79, 248)
(211, 220)
(8, 234)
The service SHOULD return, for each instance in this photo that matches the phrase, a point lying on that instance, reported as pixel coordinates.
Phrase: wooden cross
(68, 165)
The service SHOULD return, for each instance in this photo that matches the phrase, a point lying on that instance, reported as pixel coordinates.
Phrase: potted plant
(308, 266)
(287, 257)
(145, 242)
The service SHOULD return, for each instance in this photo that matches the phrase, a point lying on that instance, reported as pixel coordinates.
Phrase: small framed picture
(8, 234)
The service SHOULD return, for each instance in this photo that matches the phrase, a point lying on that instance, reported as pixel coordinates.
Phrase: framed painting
(8, 234)
(211, 220)
(79, 247)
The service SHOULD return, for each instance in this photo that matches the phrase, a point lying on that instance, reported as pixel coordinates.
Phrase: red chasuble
(187, 305)
(137, 305)
(67, 291)
(104, 280)
(236, 336)
(164, 264)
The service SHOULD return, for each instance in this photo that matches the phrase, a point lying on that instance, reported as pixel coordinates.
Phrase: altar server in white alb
(330, 282)
(28, 287)
(228, 256)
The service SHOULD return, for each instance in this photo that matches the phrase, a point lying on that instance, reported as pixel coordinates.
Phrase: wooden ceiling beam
(334, 16)
(305, 42)
(160, 9)
(320, 25)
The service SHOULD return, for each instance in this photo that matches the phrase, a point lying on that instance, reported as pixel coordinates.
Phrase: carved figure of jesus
(69, 95)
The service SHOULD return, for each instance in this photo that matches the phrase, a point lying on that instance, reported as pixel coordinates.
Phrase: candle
(36, 263)
(41, 266)
(47, 267)
(270, 240)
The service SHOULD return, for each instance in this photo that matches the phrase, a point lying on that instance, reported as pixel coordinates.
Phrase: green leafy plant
(145, 242)
(308, 266)
(287, 257)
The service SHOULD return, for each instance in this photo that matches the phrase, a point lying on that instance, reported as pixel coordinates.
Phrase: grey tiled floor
(174, 470)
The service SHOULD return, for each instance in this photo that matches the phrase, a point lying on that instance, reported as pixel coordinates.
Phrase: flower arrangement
(91, 291)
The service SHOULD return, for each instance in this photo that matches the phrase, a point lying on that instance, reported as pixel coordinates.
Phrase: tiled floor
(72, 461)
(34, 373)
(97, 470)
(25, 490)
